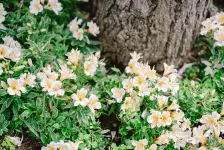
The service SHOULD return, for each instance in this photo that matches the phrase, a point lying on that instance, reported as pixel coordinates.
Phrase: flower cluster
(16, 86)
(215, 24)
(2, 16)
(50, 82)
(78, 33)
(11, 49)
(142, 80)
(61, 145)
(80, 98)
(37, 6)
(75, 57)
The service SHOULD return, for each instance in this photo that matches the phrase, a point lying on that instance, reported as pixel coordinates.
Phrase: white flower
(118, 94)
(73, 57)
(219, 18)
(35, 7)
(177, 115)
(54, 5)
(80, 98)
(163, 84)
(173, 106)
(199, 135)
(94, 103)
(56, 89)
(210, 120)
(93, 28)
(165, 118)
(140, 145)
(139, 81)
(15, 140)
(219, 37)
(155, 119)
(179, 136)
(46, 83)
(75, 146)
(153, 147)
(206, 26)
(15, 87)
(89, 68)
(162, 101)
(66, 73)
(162, 139)
(4, 51)
(128, 84)
(78, 35)
(169, 69)
(28, 79)
(74, 24)
(128, 102)
(144, 90)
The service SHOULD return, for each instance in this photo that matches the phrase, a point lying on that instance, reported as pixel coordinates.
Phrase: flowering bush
(55, 88)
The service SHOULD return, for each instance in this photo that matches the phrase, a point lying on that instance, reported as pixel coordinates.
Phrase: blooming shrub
(55, 88)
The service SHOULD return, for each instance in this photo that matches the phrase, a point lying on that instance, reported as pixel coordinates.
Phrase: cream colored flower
(153, 147)
(219, 37)
(54, 5)
(75, 146)
(169, 69)
(66, 73)
(162, 139)
(165, 118)
(15, 87)
(132, 67)
(151, 74)
(162, 101)
(144, 90)
(28, 79)
(4, 51)
(163, 84)
(56, 89)
(35, 7)
(219, 18)
(210, 120)
(80, 98)
(78, 35)
(179, 136)
(51, 146)
(94, 103)
(199, 135)
(155, 119)
(139, 81)
(73, 57)
(4, 85)
(140, 145)
(128, 84)
(177, 115)
(74, 25)
(186, 124)
(118, 94)
(93, 28)
(128, 103)
(173, 106)
(46, 83)
(89, 68)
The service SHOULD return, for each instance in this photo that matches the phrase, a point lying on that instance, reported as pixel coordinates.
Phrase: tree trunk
(162, 30)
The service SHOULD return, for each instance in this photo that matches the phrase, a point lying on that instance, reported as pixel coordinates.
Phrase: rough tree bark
(162, 30)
